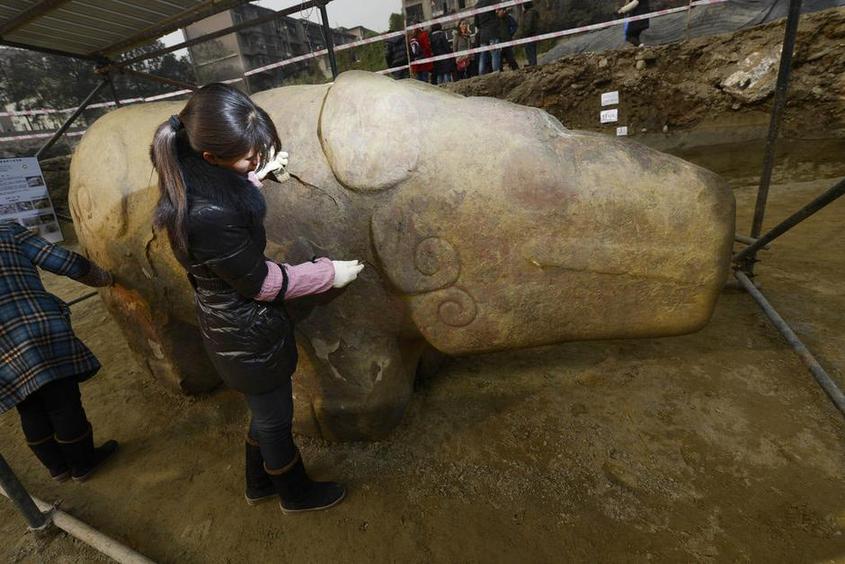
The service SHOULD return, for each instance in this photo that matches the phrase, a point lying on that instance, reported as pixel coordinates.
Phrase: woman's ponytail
(172, 205)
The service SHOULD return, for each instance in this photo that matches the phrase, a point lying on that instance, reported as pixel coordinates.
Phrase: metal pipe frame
(113, 91)
(84, 532)
(830, 195)
(327, 34)
(160, 79)
(778, 107)
(29, 14)
(48, 51)
(745, 259)
(219, 33)
(69, 121)
(744, 239)
(15, 491)
(822, 377)
(185, 17)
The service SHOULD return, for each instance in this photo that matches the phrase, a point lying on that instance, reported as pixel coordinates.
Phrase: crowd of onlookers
(486, 29)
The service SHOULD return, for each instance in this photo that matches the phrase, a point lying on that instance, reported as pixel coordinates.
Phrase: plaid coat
(37, 344)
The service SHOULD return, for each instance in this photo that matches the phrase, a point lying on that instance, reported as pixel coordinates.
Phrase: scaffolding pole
(160, 79)
(15, 491)
(830, 195)
(113, 90)
(778, 107)
(327, 33)
(819, 373)
(69, 121)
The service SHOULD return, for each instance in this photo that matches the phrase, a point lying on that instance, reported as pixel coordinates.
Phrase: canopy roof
(98, 28)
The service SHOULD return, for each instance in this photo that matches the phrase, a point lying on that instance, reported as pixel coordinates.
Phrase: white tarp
(705, 20)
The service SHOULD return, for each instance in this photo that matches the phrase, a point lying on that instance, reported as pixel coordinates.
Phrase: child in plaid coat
(41, 360)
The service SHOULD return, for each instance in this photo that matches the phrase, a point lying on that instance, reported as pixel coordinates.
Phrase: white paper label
(609, 116)
(24, 198)
(610, 98)
(622, 131)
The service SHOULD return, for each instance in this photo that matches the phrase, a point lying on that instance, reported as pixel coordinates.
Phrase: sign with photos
(24, 198)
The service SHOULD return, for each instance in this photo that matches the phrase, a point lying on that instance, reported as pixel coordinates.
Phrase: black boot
(48, 452)
(299, 493)
(81, 455)
(258, 485)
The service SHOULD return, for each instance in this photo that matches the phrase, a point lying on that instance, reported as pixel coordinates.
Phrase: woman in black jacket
(210, 205)
(443, 70)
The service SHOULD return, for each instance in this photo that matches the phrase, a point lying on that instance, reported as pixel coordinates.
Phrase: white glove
(345, 271)
(276, 164)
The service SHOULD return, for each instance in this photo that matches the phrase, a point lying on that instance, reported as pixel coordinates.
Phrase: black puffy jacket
(640, 25)
(440, 46)
(251, 343)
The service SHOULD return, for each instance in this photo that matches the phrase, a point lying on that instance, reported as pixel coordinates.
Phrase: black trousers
(55, 409)
(272, 418)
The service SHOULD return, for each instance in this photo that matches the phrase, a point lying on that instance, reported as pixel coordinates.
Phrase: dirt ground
(716, 446)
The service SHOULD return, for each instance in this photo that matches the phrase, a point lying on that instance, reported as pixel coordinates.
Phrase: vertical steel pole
(113, 90)
(69, 121)
(16, 492)
(778, 107)
(327, 34)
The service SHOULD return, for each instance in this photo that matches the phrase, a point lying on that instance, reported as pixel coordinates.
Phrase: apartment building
(231, 55)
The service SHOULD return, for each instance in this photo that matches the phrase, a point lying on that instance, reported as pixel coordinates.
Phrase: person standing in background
(396, 55)
(421, 49)
(43, 360)
(489, 33)
(508, 29)
(529, 26)
(635, 28)
(462, 41)
(445, 69)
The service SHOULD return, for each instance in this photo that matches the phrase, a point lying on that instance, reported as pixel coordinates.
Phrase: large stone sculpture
(485, 226)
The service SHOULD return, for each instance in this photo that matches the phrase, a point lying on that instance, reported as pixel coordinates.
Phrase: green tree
(396, 22)
(34, 80)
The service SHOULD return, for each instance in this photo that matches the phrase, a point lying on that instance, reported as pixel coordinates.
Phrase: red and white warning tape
(38, 136)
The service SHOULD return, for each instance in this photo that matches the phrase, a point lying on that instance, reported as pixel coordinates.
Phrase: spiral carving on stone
(436, 257)
(438, 313)
(456, 308)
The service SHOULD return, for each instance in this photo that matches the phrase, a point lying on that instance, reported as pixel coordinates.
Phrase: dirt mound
(724, 81)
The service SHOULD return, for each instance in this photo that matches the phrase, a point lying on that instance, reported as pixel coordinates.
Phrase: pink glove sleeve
(303, 279)
(309, 278)
(272, 284)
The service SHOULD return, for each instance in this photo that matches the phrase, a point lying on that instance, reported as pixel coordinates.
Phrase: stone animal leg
(169, 348)
(353, 384)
